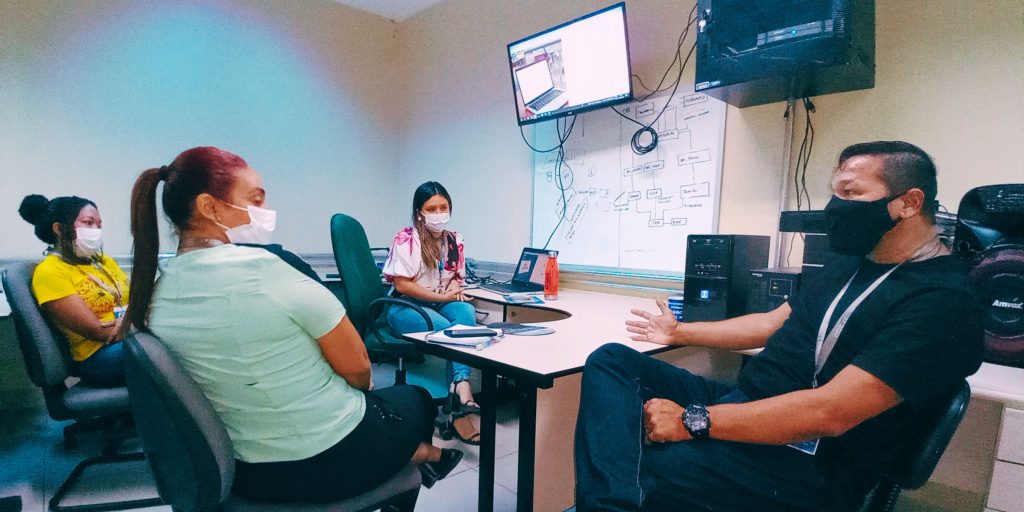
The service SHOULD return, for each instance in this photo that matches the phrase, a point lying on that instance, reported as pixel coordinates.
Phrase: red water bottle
(551, 277)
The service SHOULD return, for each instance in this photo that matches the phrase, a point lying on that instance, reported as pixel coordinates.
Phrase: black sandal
(434, 471)
(452, 410)
(451, 431)
(470, 407)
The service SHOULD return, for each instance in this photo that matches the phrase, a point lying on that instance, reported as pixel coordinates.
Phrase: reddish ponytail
(146, 236)
(195, 171)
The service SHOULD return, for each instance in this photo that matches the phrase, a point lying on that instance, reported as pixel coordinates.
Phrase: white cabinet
(1006, 493)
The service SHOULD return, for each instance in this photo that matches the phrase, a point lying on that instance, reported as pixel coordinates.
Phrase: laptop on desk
(538, 90)
(529, 275)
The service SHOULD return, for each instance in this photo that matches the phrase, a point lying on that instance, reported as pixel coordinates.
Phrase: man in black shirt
(849, 364)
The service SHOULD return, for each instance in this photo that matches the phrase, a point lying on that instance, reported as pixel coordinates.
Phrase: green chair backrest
(360, 277)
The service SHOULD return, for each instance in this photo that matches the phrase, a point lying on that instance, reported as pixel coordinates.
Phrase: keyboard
(544, 99)
(513, 288)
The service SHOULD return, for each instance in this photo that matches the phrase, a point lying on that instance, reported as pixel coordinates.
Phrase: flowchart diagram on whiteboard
(626, 210)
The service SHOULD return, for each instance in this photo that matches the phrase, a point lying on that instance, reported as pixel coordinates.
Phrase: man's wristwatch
(697, 421)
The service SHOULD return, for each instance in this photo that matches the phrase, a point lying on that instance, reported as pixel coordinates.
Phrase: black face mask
(855, 227)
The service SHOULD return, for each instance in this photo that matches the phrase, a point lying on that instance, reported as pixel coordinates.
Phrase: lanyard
(827, 338)
(442, 287)
(115, 291)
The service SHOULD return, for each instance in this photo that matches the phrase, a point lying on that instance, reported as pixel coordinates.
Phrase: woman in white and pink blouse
(427, 265)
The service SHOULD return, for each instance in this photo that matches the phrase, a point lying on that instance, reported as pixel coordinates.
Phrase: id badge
(810, 447)
(119, 311)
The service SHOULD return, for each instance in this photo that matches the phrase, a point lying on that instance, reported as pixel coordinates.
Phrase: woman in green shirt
(271, 348)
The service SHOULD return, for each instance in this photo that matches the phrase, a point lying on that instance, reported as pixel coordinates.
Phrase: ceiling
(397, 10)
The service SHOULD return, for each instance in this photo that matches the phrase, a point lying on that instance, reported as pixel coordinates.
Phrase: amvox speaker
(989, 238)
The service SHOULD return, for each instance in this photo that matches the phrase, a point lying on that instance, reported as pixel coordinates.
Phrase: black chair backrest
(45, 349)
(360, 277)
(183, 437)
(921, 456)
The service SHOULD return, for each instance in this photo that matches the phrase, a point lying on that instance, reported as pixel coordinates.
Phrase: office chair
(49, 365)
(920, 456)
(367, 300)
(191, 454)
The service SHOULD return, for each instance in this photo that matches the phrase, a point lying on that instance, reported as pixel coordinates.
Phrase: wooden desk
(547, 373)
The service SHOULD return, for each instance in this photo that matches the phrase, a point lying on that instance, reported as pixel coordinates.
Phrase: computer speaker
(989, 239)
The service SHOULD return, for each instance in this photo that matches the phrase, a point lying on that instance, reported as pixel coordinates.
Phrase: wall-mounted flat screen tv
(574, 67)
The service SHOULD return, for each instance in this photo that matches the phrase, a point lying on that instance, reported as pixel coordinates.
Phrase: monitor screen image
(574, 67)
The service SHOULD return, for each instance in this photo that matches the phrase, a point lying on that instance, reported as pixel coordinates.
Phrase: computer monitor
(574, 67)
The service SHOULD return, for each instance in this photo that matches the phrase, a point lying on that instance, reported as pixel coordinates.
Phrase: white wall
(347, 111)
(948, 79)
(92, 92)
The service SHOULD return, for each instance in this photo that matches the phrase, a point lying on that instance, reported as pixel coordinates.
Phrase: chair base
(405, 502)
(115, 429)
(76, 473)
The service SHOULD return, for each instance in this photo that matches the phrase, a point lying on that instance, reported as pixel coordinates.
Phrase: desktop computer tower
(717, 275)
(770, 287)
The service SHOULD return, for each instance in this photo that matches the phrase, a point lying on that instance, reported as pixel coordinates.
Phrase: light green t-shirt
(244, 324)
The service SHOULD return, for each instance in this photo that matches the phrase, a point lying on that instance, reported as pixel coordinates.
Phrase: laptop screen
(531, 266)
(534, 80)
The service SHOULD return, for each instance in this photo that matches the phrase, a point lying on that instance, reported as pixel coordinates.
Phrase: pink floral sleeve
(404, 260)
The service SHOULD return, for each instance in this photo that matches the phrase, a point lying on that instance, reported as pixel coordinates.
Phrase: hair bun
(32, 208)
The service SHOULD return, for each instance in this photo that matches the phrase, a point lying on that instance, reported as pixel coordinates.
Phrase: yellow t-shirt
(55, 279)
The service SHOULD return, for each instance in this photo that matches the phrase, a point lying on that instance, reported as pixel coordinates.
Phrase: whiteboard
(628, 211)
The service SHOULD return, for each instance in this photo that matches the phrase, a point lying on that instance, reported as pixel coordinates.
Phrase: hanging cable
(563, 135)
(803, 159)
(636, 142)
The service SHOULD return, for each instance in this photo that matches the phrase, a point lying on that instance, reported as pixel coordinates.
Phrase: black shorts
(396, 421)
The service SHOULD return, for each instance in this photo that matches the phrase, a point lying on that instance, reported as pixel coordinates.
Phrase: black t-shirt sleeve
(927, 348)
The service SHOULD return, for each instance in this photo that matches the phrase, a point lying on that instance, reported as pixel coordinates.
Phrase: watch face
(696, 420)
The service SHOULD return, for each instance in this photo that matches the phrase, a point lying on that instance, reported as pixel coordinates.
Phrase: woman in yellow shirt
(82, 290)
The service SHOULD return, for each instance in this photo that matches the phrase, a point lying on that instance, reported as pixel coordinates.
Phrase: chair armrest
(378, 306)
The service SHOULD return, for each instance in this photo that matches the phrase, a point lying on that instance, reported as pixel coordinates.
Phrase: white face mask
(88, 242)
(436, 221)
(258, 231)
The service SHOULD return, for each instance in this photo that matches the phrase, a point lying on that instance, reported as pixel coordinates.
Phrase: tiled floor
(33, 464)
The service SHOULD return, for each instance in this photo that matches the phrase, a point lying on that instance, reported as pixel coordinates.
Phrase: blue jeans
(403, 320)
(104, 368)
(617, 471)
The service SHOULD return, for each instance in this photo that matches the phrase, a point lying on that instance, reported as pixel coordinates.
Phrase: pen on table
(491, 341)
